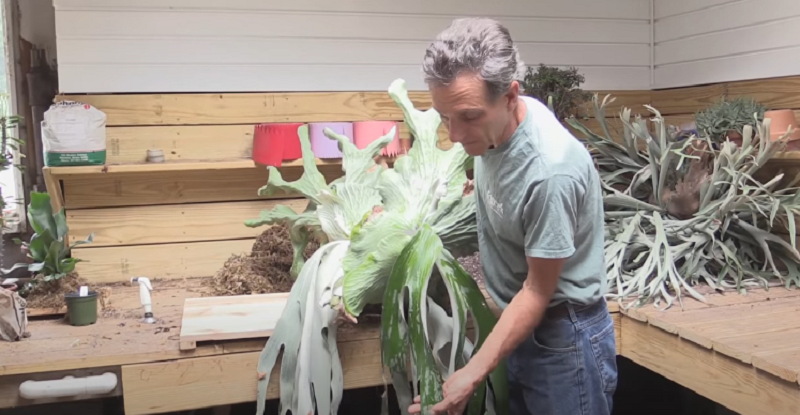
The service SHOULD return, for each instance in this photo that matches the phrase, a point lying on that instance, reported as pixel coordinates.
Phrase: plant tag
(84, 291)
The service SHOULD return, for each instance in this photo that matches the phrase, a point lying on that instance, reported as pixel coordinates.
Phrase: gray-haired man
(540, 228)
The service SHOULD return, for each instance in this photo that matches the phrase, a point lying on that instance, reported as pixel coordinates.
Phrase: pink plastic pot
(365, 132)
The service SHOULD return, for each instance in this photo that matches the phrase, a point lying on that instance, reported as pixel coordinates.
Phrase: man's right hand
(343, 316)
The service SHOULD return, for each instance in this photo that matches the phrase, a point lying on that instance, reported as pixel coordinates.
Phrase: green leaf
(465, 295)
(374, 249)
(40, 214)
(411, 273)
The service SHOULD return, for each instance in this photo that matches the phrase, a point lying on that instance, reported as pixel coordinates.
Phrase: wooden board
(223, 380)
(686, 100)
(170, 261)
(774, 93)
(230, 318)
(250, 108)
(156, 224)
(733, 384)
(141, 189)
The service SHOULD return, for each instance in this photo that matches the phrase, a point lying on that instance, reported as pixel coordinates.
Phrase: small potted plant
(726, 119)
(51, 264)
(558, 88)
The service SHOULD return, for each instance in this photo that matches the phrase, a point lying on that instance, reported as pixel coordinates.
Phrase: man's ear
(512, 94)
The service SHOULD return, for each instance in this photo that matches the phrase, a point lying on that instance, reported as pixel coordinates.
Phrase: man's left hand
(457, 391)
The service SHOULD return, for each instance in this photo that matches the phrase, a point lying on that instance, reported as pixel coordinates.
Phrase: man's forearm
(517, 322)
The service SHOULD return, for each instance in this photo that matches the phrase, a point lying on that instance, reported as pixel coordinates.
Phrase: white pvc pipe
(68, 386)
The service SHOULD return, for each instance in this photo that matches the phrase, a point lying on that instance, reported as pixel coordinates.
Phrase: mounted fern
(387, 236)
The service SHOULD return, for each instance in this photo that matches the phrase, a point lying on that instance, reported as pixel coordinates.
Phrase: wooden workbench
(741, 351)
(154, 375)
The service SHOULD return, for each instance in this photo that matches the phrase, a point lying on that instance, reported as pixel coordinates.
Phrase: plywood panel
(140, 189)
(733, 384)
(171, 223)
(180, 260)
(230, 318)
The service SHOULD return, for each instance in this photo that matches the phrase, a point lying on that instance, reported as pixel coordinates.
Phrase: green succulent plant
(670, 228)
(728, 115)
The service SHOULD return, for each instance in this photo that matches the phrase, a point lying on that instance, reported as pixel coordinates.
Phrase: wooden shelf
(175, 166)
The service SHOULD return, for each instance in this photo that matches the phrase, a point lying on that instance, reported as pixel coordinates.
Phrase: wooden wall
(703, 41)
(185, 217)
(161, 46)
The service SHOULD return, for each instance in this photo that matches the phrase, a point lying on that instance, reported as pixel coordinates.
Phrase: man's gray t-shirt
(539, 195)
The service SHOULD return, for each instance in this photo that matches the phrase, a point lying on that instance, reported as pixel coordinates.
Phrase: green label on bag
(75, 159)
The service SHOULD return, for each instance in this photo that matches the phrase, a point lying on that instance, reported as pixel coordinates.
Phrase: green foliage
(387, 237)
(670, 227)
(48, 246)
(726, 116)
(558, 88)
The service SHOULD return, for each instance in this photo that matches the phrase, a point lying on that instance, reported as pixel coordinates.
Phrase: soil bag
(13, 316)
(74, 134)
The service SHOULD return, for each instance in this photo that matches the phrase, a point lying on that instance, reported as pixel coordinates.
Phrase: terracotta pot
(735, 137)
(781, 120)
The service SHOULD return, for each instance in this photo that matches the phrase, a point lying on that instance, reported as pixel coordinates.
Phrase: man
(540, 228)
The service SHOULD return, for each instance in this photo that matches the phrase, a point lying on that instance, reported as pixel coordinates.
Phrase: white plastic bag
(13, 316)
(74, 134)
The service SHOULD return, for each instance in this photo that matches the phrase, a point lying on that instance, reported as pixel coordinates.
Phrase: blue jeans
(567, 367)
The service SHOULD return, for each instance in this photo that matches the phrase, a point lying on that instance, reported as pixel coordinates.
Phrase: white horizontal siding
(723, 41)
(107, 46)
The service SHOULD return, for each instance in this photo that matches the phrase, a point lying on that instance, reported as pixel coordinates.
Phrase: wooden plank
(706, 332)
(177, 166)
(774, 93)
(247, 108)
(53, 189)
(739, 387)
(720, 310)
(179, 260)
(158, 224)
(126, 145)
(251, 108)
(785, 365)
(140, 189)
(635, 100)
(747, 345)
(231, 318)
(686, 100)
(223, 380)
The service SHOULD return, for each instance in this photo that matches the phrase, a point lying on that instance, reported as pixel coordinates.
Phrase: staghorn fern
(388, 236)
(679, 213)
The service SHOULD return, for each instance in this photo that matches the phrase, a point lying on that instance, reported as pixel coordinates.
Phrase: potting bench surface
(157, 376)
(742, 351)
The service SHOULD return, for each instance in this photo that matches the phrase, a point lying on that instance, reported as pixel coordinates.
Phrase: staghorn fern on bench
(682, 212)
